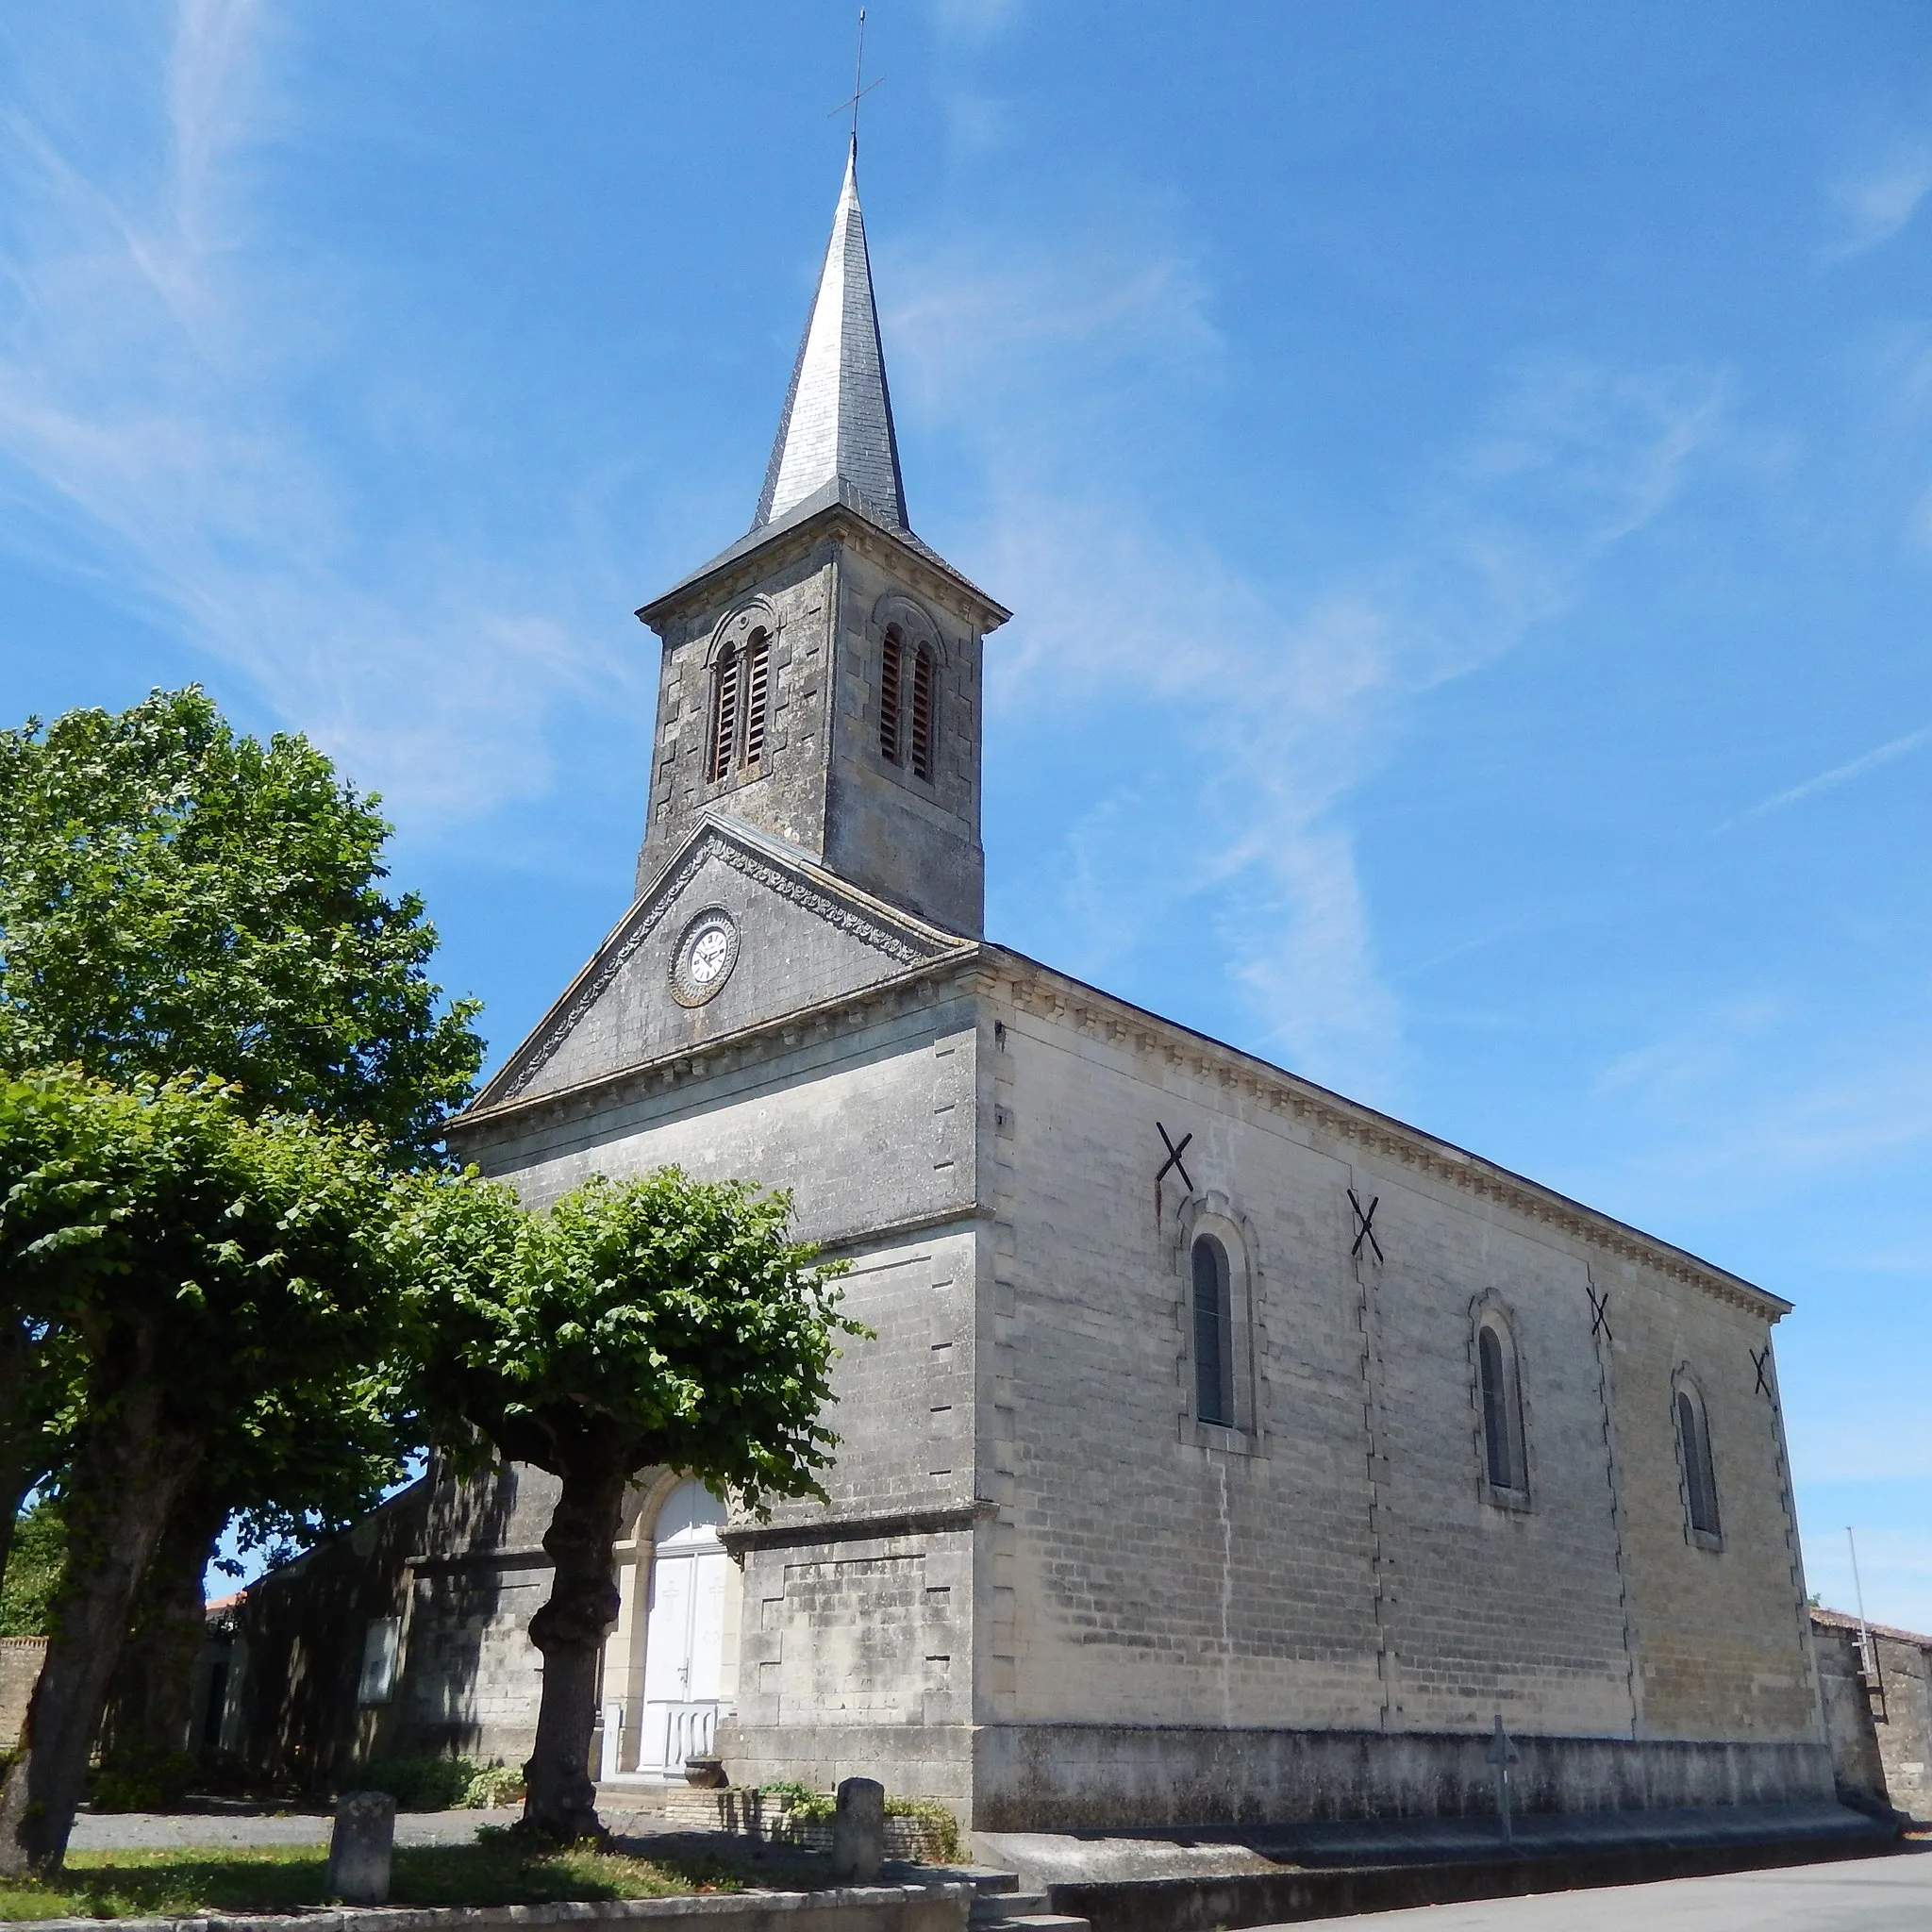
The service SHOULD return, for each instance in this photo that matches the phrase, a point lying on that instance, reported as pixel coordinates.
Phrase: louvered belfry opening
(757, 658)
(740, 706)
(922, 713)
(890, 656)
(725, 706)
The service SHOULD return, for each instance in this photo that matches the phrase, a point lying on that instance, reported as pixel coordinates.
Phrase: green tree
(177, 897)
(202, 1258)
(660, 1323)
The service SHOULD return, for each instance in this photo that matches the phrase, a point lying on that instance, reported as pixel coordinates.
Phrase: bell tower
(822, 677)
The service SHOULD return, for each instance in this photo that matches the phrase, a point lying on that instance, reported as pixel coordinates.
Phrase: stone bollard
(859, 1831)
(360, 1848)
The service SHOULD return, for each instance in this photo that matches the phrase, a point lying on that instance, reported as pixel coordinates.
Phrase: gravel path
(220, 1830)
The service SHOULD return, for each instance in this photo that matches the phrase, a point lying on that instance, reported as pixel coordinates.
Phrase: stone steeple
(837, 426)
(821, 676)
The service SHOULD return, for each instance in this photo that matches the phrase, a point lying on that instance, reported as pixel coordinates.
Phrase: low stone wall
(20, 1669)
(926, 1760)
(849, 1908)
(1062, 1777)
(753, 1815)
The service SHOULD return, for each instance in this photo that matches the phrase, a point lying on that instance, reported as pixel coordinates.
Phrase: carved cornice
(739, 1538)
(712, 843)
(901, 552)
(925, 983)
(1172, 1048)
(1168, 1049)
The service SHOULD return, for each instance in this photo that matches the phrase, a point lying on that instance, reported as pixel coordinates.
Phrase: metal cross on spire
(859, 90)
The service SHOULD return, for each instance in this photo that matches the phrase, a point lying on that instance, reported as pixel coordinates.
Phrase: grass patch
(498, 1870)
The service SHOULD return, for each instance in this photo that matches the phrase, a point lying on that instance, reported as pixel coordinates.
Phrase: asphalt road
(1892, 1894)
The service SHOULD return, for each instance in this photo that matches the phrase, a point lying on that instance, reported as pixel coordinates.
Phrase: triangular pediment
(737, 929)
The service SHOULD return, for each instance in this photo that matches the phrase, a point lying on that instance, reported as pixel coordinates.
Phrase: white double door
(684, 1633)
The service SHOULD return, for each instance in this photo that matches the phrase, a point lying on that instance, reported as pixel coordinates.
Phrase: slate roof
(838, 420)
(836, 445)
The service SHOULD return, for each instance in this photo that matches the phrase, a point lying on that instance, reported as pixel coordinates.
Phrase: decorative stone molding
(1031, 988)
(738, 1537)
(623, 946)
(1035, 988)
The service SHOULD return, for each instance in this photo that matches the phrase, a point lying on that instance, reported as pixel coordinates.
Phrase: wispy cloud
(1276, 698)
(1880, 200)
(1836, 775)
(1735, 1105)
(155, 436)
(973, 23)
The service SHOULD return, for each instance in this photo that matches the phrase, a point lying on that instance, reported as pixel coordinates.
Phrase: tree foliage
(177, 897)
(33, 1578)
(673, 1315)
(658, 1322)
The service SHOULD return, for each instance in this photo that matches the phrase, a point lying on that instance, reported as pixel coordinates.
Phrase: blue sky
(1463, 473)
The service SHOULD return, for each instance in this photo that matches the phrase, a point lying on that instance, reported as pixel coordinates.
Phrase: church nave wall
(1340, 1559)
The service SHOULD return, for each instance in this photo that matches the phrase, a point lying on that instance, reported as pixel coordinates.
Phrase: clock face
(706, 954)
(709, 953)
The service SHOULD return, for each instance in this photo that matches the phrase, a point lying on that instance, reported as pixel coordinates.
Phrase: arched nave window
(1504, 1461)
(1213, 1334)
(1694, 1452)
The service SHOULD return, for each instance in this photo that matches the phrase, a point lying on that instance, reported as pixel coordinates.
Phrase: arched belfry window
(1213, 1334)
(1693, 1450)
(1500, 1388)
(909, 703)
(741, 703)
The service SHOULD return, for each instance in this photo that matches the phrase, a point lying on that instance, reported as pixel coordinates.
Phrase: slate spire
(837, 428)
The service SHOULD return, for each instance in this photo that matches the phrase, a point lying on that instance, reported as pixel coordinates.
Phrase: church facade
(1227, 1451)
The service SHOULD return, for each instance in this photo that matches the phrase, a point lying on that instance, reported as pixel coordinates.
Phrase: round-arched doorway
(684, 1686)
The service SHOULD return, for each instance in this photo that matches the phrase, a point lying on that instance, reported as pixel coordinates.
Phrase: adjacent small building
(1228, 1451)
(1876, 1685)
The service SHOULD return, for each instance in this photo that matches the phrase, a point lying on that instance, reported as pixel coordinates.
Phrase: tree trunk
(126, 1475)
(151, 1700)
(16, 1476)
(570, 1629)
(14, 1484)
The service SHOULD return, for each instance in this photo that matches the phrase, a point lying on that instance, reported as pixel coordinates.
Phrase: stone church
(1228, 1451)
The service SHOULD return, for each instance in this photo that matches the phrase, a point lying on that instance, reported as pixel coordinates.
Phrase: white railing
(693, 1728)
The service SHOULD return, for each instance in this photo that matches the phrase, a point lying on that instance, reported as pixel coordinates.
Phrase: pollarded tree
(203, 1259)
(660, 1323)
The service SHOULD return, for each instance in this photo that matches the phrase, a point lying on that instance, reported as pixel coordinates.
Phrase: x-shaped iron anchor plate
(1364, 1225)
(1174, 1157)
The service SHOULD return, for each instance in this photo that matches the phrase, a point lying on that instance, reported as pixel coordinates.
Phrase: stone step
(1043, 1921)
(988, 1880)
(1004, 1906)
